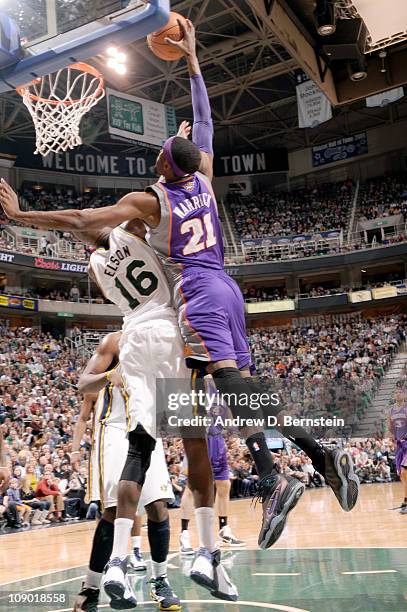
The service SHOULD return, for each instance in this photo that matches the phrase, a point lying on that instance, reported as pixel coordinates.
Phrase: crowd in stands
(264, 294)
(383, 197)
(39, 405)
(359, 349)
(60, 198)
(310, 210)
(333, 370)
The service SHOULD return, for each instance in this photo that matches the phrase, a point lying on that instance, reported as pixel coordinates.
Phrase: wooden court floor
(326, 560)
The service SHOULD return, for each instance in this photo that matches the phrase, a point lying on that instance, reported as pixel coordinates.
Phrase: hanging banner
(251, 162)
(116, 162)
(385, 98)
(338, 150)
(83, 160)
(314, 107)
(141, 120)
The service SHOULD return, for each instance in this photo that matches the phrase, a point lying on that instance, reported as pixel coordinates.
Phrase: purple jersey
(398, 417)
(188, 241)
(189, 233)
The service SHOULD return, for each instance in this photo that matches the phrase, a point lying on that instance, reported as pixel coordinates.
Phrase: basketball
(156, 40)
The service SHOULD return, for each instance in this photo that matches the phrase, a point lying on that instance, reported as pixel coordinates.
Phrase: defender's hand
(184, 130)
(9, 200)
(188, 42)
(114, 377)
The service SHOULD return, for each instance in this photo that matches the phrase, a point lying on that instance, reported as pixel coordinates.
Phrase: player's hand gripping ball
(165, 42)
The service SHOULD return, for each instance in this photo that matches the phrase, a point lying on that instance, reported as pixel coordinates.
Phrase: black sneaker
(339, 474)
(278, 495)
(162, 593)
(86, 600)
(403, 508)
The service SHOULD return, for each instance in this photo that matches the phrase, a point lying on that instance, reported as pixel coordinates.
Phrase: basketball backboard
(55, 33)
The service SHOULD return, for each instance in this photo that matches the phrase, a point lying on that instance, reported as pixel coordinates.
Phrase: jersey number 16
(142, 290)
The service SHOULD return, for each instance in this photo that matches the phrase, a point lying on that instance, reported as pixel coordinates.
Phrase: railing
(309, 248)
(237, 254)
(351, 228)
(329, 292)
(68, 249)
(270, 251)
(230, 244)
(21, 293)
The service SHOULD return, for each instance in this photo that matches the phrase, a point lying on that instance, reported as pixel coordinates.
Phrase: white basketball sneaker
(185, 547)
(117, 586)
(227, 538)
(136, 561)
(208, 572)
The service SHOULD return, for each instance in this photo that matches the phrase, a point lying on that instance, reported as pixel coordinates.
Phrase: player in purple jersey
(397, 423)
(184, 229)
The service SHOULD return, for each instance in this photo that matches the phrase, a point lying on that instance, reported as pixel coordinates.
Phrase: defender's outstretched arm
(136, 205)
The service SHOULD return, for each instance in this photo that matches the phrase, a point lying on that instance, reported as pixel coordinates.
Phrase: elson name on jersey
(115, 260)
(187, 205)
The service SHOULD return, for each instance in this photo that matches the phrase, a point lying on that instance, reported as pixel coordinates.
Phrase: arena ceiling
(250, 78)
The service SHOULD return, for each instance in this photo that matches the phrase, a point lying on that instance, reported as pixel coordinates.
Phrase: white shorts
(149, 351)
(157, 484)
(106, 464)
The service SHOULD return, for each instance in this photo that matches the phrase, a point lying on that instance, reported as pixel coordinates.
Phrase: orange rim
(82, 67)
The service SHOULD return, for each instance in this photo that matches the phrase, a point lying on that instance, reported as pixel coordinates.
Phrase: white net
(58, 102)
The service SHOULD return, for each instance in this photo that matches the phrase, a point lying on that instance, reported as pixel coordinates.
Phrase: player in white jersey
(109, 408)
(130, 275)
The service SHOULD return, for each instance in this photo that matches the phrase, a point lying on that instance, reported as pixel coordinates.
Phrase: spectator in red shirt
(47, 490)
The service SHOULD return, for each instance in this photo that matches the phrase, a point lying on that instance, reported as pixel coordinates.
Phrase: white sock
(122, 530)
(92, 579)
(158, 569)
(205, 521)
(136, 541)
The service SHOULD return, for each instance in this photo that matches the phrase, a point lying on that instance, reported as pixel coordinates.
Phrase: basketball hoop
(57, 102)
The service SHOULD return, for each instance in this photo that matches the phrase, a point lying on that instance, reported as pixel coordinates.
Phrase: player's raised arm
(202, 132)
(97, 374)
(136, 205)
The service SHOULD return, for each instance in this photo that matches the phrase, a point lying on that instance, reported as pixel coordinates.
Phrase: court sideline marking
(254, 604)
(278, 574)
(388, 571)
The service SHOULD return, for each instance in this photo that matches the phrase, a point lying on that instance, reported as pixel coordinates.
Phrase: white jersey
(130, 275)
(111, 408)
(109, 452)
